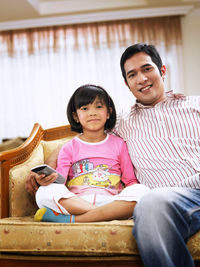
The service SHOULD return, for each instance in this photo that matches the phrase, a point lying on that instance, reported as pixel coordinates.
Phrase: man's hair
(137, 48)
(85, 95)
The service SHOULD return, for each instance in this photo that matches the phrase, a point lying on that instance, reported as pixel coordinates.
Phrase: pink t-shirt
(102, 166)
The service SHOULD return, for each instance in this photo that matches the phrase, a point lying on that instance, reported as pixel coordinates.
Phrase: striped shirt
(164, 141)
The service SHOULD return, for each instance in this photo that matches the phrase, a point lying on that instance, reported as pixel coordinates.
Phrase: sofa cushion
(103, 238)
(23, 235)
(21, 203)
(49, 146)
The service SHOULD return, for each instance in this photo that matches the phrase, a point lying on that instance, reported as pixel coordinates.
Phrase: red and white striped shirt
(164, 141)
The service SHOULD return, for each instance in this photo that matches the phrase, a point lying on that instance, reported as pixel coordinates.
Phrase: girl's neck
(92, 137)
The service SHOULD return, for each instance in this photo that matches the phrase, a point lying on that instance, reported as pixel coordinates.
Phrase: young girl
(96, 165)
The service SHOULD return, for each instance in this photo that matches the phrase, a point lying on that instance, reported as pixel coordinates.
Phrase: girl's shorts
(48, 196)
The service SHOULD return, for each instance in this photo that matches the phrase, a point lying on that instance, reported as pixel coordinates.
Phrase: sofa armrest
(14, 157)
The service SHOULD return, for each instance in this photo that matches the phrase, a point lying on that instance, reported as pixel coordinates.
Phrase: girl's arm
(52, 162)
(64, 161)
(52, 159)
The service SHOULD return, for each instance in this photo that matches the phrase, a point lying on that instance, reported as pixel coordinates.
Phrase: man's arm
(33, 180)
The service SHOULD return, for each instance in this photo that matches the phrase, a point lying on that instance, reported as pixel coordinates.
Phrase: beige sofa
(23, 241)
(10, 144)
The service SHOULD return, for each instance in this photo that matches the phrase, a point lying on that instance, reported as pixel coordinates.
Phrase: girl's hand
(46, 180)
(33, 181)
(31, 185)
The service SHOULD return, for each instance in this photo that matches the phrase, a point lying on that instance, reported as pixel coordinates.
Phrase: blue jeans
(164, 220)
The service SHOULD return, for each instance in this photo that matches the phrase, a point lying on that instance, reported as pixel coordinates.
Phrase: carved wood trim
(13, 157)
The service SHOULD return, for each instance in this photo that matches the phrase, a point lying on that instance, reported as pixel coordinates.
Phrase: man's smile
(144, 89)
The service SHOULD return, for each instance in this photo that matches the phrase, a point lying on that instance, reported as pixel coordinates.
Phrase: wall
(191, 52)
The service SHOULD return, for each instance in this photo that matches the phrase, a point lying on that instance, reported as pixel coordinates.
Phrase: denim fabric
(164, 220)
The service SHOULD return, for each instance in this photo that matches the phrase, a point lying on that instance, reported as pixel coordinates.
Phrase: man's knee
(155, 203)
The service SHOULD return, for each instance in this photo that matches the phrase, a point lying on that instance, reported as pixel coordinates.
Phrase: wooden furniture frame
(11, 158)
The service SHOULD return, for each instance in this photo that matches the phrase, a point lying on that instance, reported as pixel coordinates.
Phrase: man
(162, 132)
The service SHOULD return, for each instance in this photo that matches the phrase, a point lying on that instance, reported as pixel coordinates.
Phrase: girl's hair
(85, 95)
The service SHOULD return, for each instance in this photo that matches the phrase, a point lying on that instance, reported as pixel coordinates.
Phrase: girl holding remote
(96, 165)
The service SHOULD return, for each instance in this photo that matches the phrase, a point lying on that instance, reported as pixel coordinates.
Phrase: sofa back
(22, 203)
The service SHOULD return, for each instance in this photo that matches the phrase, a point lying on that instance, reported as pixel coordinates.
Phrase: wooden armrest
(13, 157)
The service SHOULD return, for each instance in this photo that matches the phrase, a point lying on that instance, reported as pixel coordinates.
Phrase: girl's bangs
(85, 97)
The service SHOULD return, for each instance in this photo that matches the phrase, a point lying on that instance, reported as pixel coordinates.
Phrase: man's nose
(141, 77)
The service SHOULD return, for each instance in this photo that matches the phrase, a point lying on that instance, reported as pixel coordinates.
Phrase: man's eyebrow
(130, 71)
(146, 65)
(143, 66)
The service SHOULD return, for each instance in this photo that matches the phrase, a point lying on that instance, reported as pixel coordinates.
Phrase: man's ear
(163, 71)
(75, 117)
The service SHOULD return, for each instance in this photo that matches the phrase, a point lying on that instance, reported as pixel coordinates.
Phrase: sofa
(24, 242)
(11, 143)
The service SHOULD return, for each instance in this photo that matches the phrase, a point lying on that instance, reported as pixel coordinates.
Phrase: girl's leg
(121, 208)
(58, 198)
(118, 209)
(76, 205)
(57, 203)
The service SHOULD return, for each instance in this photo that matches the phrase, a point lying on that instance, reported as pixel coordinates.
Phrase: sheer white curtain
(41, 68)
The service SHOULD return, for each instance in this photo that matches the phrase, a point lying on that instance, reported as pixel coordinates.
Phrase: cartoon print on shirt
(85, 174)
(101, 173)
(81, 167)
(86, 180)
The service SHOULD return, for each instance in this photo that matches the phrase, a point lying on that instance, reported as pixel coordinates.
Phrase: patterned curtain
(40, 68)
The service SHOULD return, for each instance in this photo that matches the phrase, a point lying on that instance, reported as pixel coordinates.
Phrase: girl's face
(92, 117)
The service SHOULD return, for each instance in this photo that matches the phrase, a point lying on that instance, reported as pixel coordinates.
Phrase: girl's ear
(75, 117)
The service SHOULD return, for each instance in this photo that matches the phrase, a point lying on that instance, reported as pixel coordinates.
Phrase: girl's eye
(99, 106)
(83, 108)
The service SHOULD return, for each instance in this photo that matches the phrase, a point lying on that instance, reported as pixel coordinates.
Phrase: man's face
(144, 79)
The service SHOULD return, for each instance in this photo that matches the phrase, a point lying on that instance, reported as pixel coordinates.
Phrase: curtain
(40, 68)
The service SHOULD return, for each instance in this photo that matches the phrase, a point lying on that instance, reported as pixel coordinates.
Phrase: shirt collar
(169, 95)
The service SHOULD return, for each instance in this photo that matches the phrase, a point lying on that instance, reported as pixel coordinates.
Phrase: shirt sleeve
(64, 161)
(127, 170)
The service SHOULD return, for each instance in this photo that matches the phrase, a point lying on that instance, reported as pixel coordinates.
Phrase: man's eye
(99, 106)
(147, 69)
(132, 75)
